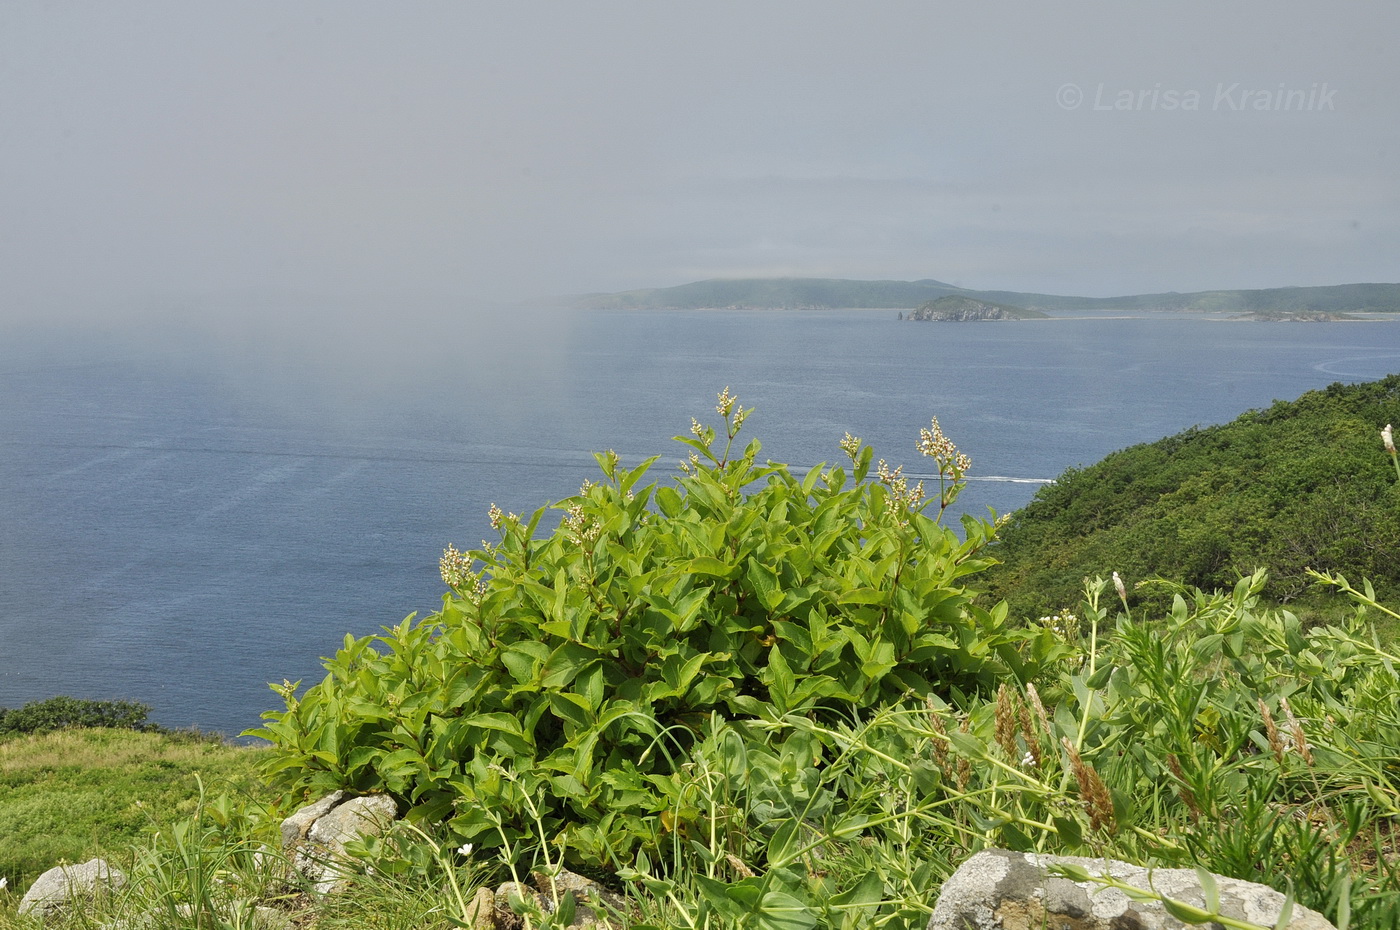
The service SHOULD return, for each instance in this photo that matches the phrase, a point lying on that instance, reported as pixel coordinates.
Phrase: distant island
(952, 309)
(1296, 316)
(1286, 303)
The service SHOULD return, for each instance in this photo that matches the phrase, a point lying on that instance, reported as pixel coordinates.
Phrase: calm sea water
(184, 523)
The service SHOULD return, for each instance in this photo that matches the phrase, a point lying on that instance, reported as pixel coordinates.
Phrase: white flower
(465, 849)
(4, 883)
(1027, 761)
(1118, 585)
(1389, 439)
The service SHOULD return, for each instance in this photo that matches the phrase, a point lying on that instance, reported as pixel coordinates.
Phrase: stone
(589, 897)
(481, 911)
(585, 890)
(295, 827)
(61, 884)
(316, 835)
(1001, 890)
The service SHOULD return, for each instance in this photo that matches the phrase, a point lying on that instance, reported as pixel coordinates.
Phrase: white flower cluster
(851, 446)
(580, 527)
(1063, 624)
(456, 570)
(940, 448)
(902, 498)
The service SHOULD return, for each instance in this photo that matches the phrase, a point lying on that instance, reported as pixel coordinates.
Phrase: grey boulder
(61, 884)
(1001, 890)
(316, 835)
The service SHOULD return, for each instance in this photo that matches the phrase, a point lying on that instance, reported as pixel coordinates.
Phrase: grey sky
(157, 153)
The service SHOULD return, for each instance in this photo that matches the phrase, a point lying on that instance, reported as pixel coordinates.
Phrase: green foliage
(57, 713)
(548, 708)
(1300, 485)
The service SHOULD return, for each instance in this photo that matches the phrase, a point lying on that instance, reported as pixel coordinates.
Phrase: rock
(61, 884)
(589, 898)
(481, 912)
(586, 891)
(1001, 890)
(295, 827)
(367, 816)
(315, 836)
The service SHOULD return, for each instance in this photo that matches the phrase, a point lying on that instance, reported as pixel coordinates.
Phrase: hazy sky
(167, 153)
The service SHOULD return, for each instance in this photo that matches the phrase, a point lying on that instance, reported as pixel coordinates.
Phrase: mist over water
(189, 518)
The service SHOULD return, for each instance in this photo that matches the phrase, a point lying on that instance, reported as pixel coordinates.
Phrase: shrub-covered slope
(1302, 484)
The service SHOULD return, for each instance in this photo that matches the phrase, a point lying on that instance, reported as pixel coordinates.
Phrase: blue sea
(184, 519)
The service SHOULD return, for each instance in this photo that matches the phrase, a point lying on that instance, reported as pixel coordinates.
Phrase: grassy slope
(73, 794)
(1304, 484)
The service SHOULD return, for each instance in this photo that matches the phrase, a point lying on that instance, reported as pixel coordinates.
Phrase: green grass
(73, 794)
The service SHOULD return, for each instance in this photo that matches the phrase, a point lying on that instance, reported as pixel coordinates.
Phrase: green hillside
(1302, 484)
(835, 293)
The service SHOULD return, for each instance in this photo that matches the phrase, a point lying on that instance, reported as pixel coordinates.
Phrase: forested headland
(1302, 484)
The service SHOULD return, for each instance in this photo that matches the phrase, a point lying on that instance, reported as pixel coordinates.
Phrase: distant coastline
(1335, 303)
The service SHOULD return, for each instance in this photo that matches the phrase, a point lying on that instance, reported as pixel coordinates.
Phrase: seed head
(1300, 739)
(940, 743)
(1188, 796)
(964, 767)
(1093, 794)
(1272, 732)
(1034, 696)
(1006, 721)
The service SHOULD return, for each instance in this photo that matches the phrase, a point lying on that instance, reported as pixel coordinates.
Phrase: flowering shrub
(569, 675)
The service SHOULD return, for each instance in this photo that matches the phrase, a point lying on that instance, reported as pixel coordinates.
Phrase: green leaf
(669, 501)
(571, 708)
(1209, 889)
(781, 911)
(870, 596)
(765, 584)
(634, 475)
(1069, 830)
(565, 663)
(967, 745)
(705, 565)
(858, 902)
(495, 721)
(783, 844)
(780, 679)
(1187, 913)
(1285, 913)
